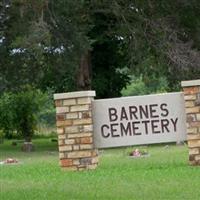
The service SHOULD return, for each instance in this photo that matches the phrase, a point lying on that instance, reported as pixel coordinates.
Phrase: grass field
(164, 175)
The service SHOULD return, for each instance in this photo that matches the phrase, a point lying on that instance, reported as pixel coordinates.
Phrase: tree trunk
(84, 72)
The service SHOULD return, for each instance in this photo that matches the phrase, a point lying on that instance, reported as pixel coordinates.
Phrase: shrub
(47, 113)
(138, 86)
(7, 116)
(19, 112)
(28, 103)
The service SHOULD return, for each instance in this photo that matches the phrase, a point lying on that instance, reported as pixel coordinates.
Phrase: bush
(27, 105)
(136, 87)
(47, 113)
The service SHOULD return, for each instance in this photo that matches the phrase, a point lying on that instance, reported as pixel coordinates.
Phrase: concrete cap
(190, 83)
(78, 94)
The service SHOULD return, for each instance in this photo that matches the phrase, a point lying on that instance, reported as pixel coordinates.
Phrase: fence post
(75, 130)
(191, 91)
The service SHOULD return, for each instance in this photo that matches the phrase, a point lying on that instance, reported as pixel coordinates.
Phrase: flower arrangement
(138, 153)
(9, 161)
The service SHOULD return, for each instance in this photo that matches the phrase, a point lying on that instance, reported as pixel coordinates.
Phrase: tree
(82, 31)
(7, 117)
(22, 56)
(55, 48)
(161, 38)
(108, 56)
(20, 112)
(59, 44)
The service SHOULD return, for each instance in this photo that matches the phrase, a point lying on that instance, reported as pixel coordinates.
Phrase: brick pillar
(191, 91)
(75, 130)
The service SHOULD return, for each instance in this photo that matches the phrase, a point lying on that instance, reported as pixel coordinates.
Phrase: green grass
(164, 175)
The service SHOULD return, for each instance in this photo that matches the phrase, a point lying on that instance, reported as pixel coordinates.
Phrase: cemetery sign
(139, 120)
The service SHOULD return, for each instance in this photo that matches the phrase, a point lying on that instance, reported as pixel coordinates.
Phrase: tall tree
(161, 38)
(73, 44)
(55, 48)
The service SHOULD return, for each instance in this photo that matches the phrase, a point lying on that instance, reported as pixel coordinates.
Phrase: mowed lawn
(164, 175)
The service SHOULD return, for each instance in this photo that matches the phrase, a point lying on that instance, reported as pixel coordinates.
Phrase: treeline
(69, 45)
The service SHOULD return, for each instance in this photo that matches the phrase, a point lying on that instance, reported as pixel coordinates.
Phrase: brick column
(192, 103)
(75, 130)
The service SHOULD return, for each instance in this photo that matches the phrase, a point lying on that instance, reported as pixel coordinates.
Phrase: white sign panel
(139, 120)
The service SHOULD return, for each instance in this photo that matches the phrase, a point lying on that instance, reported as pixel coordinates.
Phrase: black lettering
(164, 125)
(146, 126)
(174, 124)
(164, 109)
(154, 126)
(133, 110)
(134, 127)
(125, 130)
(103, 127)
(112, 114)
(153, 110)
(113, 130)
(144, 112)
(123, 114)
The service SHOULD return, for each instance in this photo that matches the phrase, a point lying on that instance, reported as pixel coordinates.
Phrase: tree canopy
(72, 45)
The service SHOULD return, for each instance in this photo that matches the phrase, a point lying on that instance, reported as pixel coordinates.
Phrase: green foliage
(46, 116)
(1, 136)
(7, 116)
(20, 111)
(139, 87)
(51, 40)
(136, 87)
(108, 76)
(27, 105)
(44, 42)
(108, 56)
